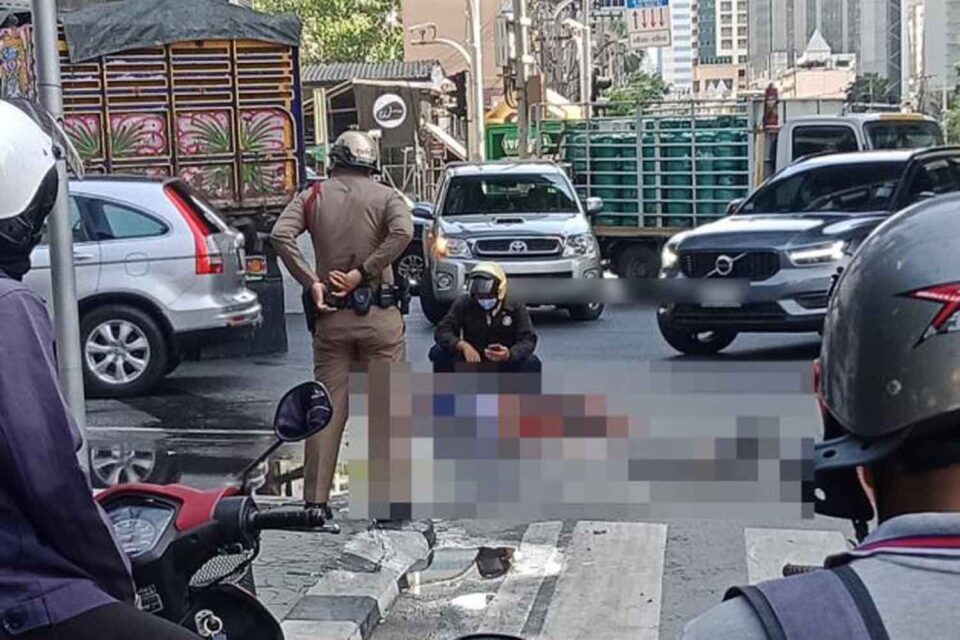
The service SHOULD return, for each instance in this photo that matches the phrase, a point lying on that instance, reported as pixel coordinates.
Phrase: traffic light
(599, 85)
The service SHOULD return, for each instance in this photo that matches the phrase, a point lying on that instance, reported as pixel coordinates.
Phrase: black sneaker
(323, 507)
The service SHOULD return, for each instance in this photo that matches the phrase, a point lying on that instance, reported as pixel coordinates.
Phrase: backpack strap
(865, 604)
(826, 605)
(761, 607)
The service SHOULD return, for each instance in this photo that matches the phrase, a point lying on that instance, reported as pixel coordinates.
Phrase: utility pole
(478, 131)
(587, 69)
(522, 75)
(65, 312)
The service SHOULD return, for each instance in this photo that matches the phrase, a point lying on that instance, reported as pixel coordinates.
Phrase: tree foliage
(642, 89)
(871, 88)
(345, 30)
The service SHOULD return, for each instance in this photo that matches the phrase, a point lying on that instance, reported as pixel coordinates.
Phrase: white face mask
(487, 304)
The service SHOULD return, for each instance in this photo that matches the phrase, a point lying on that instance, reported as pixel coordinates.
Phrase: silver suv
(524, 215)
(159, 274)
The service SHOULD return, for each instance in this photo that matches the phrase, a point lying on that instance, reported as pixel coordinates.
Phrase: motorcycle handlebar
(287, 519)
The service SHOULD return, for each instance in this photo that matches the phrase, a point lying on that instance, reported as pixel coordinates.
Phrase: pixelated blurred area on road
(614, 441)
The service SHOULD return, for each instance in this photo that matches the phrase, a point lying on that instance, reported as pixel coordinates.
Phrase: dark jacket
(509, 325)
(58, 556)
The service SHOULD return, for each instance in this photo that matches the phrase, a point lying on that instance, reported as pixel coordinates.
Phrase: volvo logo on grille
(518, 246)
(724, 265)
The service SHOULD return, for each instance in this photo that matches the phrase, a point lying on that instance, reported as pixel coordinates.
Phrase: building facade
(779, 31)
(721, 41)
(932, 45)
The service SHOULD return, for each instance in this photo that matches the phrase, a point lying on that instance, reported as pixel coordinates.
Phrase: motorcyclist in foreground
(62, 574)
(889, 390)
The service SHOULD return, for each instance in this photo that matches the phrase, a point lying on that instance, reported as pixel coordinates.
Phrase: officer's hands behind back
(318, 291)
(344, 283)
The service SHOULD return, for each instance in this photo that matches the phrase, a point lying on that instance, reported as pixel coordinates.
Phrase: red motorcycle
(192, 551)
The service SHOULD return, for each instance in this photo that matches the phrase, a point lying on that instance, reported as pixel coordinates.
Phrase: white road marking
(769, 549)
(611, 584)
(536, 558)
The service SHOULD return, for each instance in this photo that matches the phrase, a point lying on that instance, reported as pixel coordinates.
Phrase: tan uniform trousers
(342, 338)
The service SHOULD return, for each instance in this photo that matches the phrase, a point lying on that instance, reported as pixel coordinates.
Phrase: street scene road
(252, 250)
(210, 417)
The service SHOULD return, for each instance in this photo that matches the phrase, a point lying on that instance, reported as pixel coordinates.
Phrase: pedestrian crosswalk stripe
(767, 550)
(610, 587)
(536, 558)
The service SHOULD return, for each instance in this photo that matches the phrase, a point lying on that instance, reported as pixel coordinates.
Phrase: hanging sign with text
(648, 23)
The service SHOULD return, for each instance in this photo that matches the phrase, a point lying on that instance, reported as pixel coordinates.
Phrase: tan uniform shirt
(354, 221)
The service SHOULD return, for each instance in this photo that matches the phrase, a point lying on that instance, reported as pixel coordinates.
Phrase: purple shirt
(58, 557)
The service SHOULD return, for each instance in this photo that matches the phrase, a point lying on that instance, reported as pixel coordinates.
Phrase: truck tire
(638, 261)
(692, 342)
(132, 340)
(586, 312)
(432, 308)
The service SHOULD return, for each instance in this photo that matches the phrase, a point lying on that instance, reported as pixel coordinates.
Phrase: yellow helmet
(488, 277)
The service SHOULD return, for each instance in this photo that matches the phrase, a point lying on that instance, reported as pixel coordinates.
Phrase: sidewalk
(331, 587)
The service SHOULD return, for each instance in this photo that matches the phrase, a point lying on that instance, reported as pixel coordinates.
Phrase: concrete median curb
(349, 601)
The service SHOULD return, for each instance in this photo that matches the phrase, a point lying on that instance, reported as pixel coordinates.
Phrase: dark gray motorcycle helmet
(888, 369)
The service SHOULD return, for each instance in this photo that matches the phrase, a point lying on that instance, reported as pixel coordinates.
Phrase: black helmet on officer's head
(355, 150)
(889, 372)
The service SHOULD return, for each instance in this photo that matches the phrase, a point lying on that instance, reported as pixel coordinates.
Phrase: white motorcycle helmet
(30, 142)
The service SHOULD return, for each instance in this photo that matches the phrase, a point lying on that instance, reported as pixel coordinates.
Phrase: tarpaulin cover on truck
(103, 29)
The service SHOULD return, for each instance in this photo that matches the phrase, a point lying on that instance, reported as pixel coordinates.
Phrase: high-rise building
(932, 45)
(880, 43)
(777, 36)
(721, 43)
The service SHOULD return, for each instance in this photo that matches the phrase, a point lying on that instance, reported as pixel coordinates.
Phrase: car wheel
(173, 362)
(122, 464)
(410, 266)
(638, 262)
(695, 342)
(124, 351)
(586, 312)
(432, 308)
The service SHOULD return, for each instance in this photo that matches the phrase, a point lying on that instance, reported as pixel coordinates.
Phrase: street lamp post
(65, 312)
(474, 59)
(476, 62)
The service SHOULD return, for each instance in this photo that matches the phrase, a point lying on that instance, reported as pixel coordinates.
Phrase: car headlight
(446, 247)
(668, 257)
(580, 245)
(818, 254)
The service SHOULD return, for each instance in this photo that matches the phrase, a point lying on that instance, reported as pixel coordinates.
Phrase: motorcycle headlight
(818, 254)
(580, 245)
(447, 247)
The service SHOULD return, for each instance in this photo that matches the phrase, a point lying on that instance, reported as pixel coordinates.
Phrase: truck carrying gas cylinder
(664, 168)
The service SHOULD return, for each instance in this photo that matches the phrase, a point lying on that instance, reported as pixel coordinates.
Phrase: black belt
(360, 300)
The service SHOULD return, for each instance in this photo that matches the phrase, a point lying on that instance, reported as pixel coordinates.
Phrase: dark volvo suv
(789, 238)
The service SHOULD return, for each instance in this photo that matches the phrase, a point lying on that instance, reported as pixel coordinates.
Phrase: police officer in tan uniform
(358, 227)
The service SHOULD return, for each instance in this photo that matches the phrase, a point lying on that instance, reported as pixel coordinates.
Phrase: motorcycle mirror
(303, 411)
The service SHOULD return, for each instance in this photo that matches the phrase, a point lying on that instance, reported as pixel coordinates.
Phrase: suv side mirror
(733, 206)
(593, 205)
(423, 210)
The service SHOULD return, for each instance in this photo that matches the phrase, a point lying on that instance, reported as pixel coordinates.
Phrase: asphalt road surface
(568, 578)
